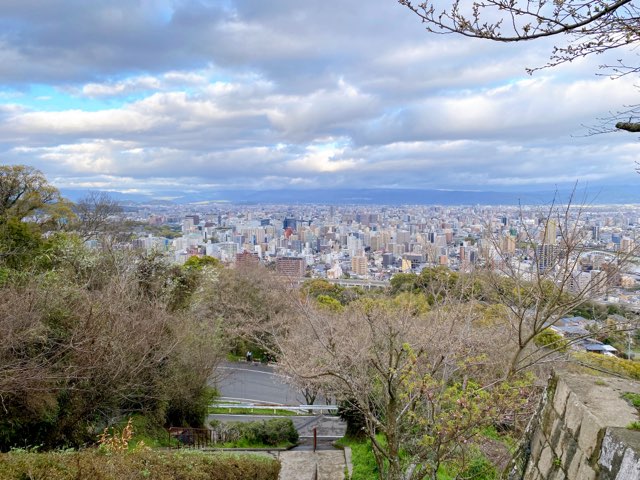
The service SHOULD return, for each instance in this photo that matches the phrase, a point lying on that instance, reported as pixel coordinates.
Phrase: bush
(273, 432)
(92, 465)
(549, 338)
(628, 368)
(270, 432)
(353, 416)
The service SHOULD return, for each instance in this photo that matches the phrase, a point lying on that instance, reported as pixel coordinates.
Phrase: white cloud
(296, 94)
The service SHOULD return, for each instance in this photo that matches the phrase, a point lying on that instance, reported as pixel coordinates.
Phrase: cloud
(254, 94)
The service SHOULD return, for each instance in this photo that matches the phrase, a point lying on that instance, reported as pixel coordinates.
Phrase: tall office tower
(546, 256)
(550, 233)
(595, 233)
(289, 223)
(509, 244)
(375, 243)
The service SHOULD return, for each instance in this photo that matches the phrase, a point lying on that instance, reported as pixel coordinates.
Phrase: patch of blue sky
(51, 99)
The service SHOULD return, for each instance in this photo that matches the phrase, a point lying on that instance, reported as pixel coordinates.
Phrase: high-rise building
(291, 266)
(359, 265)
(598, 282)
(546, 256)
(550, 233)
(509, 245)
(387, 259)
(247, 258)
(291, 223)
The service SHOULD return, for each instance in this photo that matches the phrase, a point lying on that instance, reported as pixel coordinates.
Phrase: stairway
(309, 465)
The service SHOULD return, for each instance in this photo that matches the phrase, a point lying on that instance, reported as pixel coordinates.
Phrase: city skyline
(163, 99)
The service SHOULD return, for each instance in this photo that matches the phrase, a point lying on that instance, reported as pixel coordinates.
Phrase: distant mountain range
(380, 196)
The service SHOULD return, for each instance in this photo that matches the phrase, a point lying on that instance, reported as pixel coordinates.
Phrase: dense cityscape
(356, 245)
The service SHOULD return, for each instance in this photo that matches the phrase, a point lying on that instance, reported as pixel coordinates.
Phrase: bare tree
(96, 214)
(543, 280)
(426, 382)
(592, 27)
(77, 355)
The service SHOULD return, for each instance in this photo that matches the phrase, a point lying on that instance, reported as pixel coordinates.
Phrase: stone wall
(581, 434)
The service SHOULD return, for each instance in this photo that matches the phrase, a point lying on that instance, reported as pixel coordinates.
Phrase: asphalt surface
(328, 428)
(255, 383)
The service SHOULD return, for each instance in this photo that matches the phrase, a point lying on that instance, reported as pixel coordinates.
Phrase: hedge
(91, 464)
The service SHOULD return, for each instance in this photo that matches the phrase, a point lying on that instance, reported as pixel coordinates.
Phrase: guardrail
(299, 409)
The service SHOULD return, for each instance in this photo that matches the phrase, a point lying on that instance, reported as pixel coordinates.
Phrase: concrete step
(301, 465)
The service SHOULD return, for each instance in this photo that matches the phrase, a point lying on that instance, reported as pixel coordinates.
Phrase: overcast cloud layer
(151, 95)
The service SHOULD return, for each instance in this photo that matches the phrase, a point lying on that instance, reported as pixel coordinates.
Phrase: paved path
(256, 383)
(260, 384)
(302, 465)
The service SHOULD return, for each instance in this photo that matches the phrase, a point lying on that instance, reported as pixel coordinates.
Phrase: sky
(157, 96)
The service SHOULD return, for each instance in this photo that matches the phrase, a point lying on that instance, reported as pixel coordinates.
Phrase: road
(252, 382)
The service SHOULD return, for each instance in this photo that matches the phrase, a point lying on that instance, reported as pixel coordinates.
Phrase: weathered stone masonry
(581, 434)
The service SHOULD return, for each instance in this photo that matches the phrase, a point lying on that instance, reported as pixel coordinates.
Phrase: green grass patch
(364, 463)
(252, 444)
(365, 467)
(90, 464)
(634, 426)
(149, 432)
(502, 437)
(632, 398)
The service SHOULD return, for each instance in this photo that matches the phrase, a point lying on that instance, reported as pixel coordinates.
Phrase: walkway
(302, 465)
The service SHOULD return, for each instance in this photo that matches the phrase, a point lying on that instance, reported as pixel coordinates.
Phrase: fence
(300, 410)
(192, 437)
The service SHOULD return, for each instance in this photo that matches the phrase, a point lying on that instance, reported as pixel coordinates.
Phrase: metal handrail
(291, 408)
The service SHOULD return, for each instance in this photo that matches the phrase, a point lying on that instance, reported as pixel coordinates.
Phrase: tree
(423, 383)
(96, 215)
(541, 283)
(95, 338)
(24, 191)
(593, 26)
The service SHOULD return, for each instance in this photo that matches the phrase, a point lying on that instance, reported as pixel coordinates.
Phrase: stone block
(546, 464)
(585, 472)
(589, 430)
(531, 473)
(569, 450)
(560, 398)
(557, 437)
(620, 454)
(630, 465)
(538, 440)
(573, 415)
(574, 466)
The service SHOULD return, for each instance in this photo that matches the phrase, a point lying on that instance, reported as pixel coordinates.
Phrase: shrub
(270, 432)
(353, 416)
(549, 338)
(273, 432)
(93, 465)
(628, 368)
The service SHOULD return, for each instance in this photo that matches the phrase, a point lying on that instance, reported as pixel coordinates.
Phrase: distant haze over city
(581, 195)
(198, 100)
